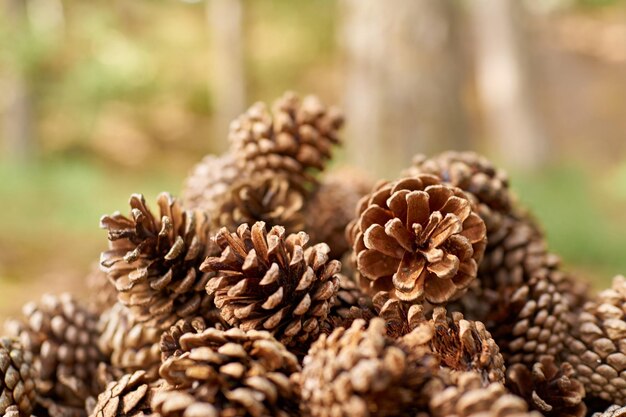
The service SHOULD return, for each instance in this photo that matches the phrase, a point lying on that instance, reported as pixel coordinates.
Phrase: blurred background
(104, 98)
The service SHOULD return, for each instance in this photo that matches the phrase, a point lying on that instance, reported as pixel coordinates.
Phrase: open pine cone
(17, 378)
(128, 396)
(154, 260)
(209, 181)
(228, 373)
(271, 281)
(102, 292)
(417, 238)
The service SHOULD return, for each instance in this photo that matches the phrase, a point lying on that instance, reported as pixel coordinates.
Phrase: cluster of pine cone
(271, 290)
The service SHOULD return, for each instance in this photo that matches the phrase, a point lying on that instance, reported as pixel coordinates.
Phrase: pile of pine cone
(270, 290)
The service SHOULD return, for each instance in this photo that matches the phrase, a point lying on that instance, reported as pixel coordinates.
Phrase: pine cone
(17, 379)
(547, 388)
(269, 198)
(272, 281)
(208, 183)
(154, 260)
(596, 345)
(419, 239)
(362, 372)
(612, 411)
(332, 206)
(170, 339)
(228, 373)
(129, 396)
(298, 136)
(62, 336)
(130, 345)
(102, 292)
(351, 303)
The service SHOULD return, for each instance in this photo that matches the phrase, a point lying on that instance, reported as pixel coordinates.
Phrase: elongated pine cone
(209, 181)
(130, 345)
(271, 281)
(417, 238)
(154, 260)
(551, 390)
(228, 373)
(62, 337)
(612, 411)
(597, 347)
(296, 138)
(129, 396)
(17, 379)
(359, 371)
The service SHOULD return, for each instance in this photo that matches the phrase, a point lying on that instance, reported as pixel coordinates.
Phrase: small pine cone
(268, 198)
(62, 337)
(153, 260)
(128, 396)
(417, 238)
(209, 181)
(298, 136)
(17, 379)
(597, 345)
(362, 372)
(102, 292)
(273, 282)
(465, 395)
(351, 303)
(228, 373)
(130, 345)
(331, 207)
(470, 172)
(547, 388)
(612, 411)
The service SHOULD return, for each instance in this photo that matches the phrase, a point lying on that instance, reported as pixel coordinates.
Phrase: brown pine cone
(268, 198)
(547, 388)
(362, 372)
(17, 379)
(62, 337)
(612, 411)
(272, 281)
(297, 137)
(332, 206)
(417, 238)
(596, 346)
(228, 373)
(129, 396)
(130, 345)
(153, 260)
(209, 181)
(170, 339)
(102, 292)
(351, 303)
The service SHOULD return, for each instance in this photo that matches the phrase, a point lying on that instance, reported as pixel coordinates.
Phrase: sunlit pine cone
(418, 239)
(208, 182)
(268, 198)
(359, 371)
(228, 373)
(17, 379)
(128, 396)
(612, 411)
(332, 206)
(154, 260)
(273, 281)
(597, 344)
(102, 292)
(62, 337)
(554, 391)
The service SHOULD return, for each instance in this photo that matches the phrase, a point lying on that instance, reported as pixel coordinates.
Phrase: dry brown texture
(612, 411)
(228, 373)
(154, 260)
(351, 303)
(102, 292)
(418, 239)
(359, 371)
(62, 337)
(552, 390)
(597, 345)
(127, 397)
(17, 379)
(170, 339)
(273, 281)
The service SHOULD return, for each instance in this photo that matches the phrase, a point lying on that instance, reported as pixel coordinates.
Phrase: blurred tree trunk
(228, 87)
(504, 84)
(18, 113)
(403, 81)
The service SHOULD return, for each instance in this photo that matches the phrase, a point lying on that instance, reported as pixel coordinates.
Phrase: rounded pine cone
(209, 181)
(228, 373)
(359, 371)
(547, 388)
(17, 379)
(62, 337)
(170, 339)
(128, 396)
(596, 346)
(419, 239)
(154, 260)
(273, 282)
